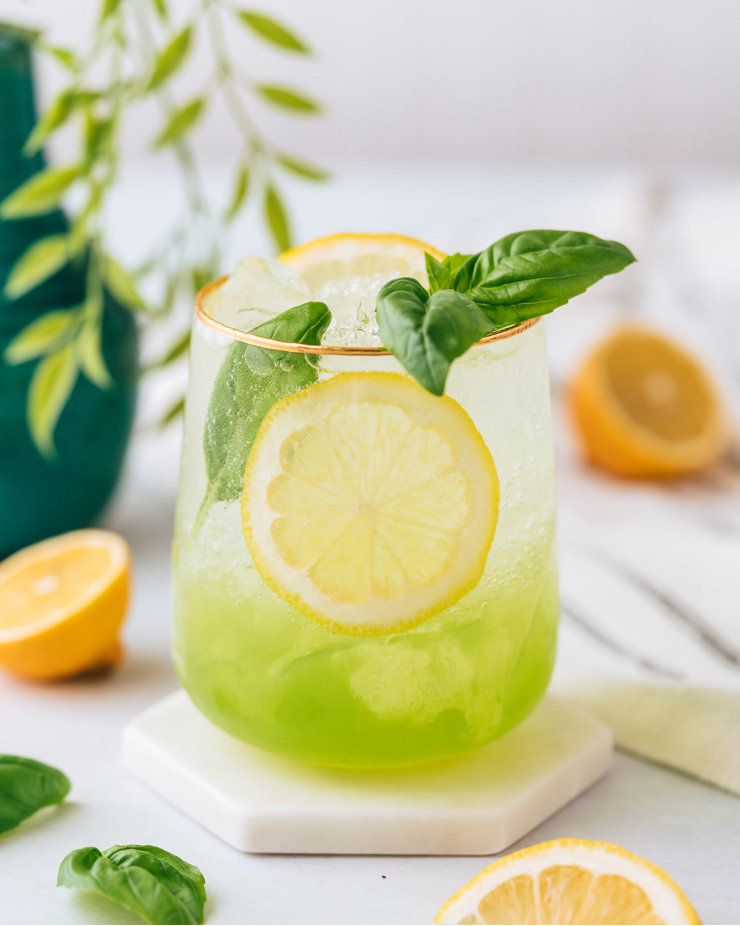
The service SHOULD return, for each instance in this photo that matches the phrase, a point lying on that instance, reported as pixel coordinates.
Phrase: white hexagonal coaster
(475, 805)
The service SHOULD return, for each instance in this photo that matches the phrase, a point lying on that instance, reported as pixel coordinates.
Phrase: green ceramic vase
(41, 497)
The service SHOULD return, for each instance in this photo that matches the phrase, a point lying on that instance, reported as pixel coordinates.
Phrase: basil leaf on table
(426, 333)
(528, 274)
(25, 787)
(158, 886)
(251, 380)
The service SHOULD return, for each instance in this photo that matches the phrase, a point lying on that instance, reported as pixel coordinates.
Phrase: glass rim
(348, 350)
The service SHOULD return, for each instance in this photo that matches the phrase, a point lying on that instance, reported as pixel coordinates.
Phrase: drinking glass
(457, 645)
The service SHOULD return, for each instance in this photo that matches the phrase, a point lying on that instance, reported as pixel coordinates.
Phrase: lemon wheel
(369, 504)
(325, 259)
(570, 881)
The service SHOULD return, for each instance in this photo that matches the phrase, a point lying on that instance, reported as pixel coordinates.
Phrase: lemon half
(570, 881)
(369, 504)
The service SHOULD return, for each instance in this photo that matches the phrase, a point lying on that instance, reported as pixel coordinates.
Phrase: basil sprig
(522, 276)
(251, 380)
(156, 885)
(25, 787)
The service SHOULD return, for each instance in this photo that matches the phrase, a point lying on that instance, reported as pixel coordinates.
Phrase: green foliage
(250, 381)
(277, 218)
(51, 385)
(40, 261)
(154, 884)
(286, 98)
(25, 787)
(134, 53)
(272, 31)
(522, 276)
(40, 194)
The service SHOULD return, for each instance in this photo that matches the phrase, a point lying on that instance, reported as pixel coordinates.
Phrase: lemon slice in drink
(325, 259)
(369, 504)
(570, 881)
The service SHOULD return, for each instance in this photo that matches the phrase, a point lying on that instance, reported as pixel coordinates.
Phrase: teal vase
(40, 497)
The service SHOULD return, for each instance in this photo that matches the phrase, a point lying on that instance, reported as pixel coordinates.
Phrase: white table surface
(690, 829)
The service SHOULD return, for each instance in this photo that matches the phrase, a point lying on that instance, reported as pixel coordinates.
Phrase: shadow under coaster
(475, 805)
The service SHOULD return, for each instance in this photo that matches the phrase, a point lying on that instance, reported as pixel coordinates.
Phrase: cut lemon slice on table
(570, 881)
(62, 602)
(325, 259)
(369, 504)
(645, 407)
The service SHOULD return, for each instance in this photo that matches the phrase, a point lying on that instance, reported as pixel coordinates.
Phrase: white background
(489, 80)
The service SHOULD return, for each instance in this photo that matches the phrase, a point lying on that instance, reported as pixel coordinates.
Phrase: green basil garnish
(251, 380)
(426, 333)
(156, 885)
(25, 787)
(522, 276)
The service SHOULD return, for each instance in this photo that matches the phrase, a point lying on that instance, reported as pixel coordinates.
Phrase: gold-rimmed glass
(272, 676)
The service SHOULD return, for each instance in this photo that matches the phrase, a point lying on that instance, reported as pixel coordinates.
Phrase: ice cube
(351, 300)
(256, 291)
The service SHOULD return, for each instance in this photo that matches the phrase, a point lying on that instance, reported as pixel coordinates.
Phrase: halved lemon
(62, 602)
(570, 881)
(325, 259)
(645, 407)
(369, 504)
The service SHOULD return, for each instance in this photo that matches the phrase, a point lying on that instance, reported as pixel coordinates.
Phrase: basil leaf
(158, 886)
(453, 262)
(439, 275)
(426, 333)
(528, 274)
(25, 787)
(250, 381)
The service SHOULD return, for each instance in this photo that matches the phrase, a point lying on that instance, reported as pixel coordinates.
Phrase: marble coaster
(475, 805)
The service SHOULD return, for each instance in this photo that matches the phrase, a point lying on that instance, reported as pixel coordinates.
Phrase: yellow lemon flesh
(62, 602)
(644, 407)
(325, 259)
(369, 504)
(570, 881)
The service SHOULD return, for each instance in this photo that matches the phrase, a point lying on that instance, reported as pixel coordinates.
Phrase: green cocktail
(364, 571)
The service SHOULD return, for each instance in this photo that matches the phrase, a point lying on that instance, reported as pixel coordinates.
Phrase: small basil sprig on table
(522, 276)
(250, 381)
(156, 885)
(25, 787)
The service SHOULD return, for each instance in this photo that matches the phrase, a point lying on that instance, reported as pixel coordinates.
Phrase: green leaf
(40, 194)
(277, 218)
(65, 56)
(285, 98)
(41, 336)
(178, 349)
(439, 275)
(121, 284)
(108, 8)
(170, 58)
(97, 134)
(302, 168)
(25, 787)
(52, 383)
(250, 381)
(530, 273)
(161, 8)
(40, 261)
(453, 262)
(180, 122)
(156, 885)
(54, 116)
(90, 354)
(426, 333)
(272, 31)
(240, 192)
(173, 413)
